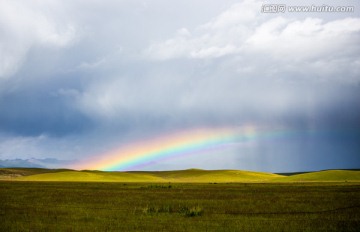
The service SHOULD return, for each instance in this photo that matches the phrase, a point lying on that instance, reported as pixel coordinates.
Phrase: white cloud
(241, 13)
(24, 24)
(260, 61)
(311, 38)
(220, 36)
(242, 30)
(92, 65)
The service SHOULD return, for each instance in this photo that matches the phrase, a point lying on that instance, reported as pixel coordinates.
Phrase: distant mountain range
(35, 163)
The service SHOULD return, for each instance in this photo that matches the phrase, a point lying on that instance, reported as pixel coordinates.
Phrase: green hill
(189, 176)
(328, 175)
(13, 173)
(89, 176)
(198, 175)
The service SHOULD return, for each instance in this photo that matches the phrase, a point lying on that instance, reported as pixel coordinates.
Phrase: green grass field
(330, 175)
(189, 200)
(96, 206)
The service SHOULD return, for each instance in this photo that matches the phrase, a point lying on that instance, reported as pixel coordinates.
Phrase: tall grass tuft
(157, 209)
(191, 211)
(182, 210)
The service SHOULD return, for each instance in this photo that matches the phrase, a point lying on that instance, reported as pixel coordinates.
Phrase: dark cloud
(37, 112)
(89, 78)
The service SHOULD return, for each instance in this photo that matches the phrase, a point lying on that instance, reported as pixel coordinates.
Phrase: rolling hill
(327, 175)
(190, 175)
(186, 176)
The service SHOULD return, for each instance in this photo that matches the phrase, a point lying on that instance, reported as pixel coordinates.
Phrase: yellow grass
(186, 176)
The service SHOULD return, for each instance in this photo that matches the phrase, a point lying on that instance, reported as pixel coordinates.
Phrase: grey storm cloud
(74, 73)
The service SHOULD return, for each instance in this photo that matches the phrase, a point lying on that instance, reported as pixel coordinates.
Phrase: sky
(92, 80)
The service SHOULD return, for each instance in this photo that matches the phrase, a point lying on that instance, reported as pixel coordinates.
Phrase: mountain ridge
(34, 163)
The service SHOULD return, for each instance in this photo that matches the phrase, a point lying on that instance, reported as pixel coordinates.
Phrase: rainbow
(189, 142)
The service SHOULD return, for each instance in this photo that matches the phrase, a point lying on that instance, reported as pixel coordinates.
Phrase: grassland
(188, 200)
(96, 206)
(181, 176)
(329, 175)
(191, 175)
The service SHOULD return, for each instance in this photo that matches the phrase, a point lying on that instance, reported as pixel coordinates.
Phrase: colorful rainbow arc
(189, 142)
